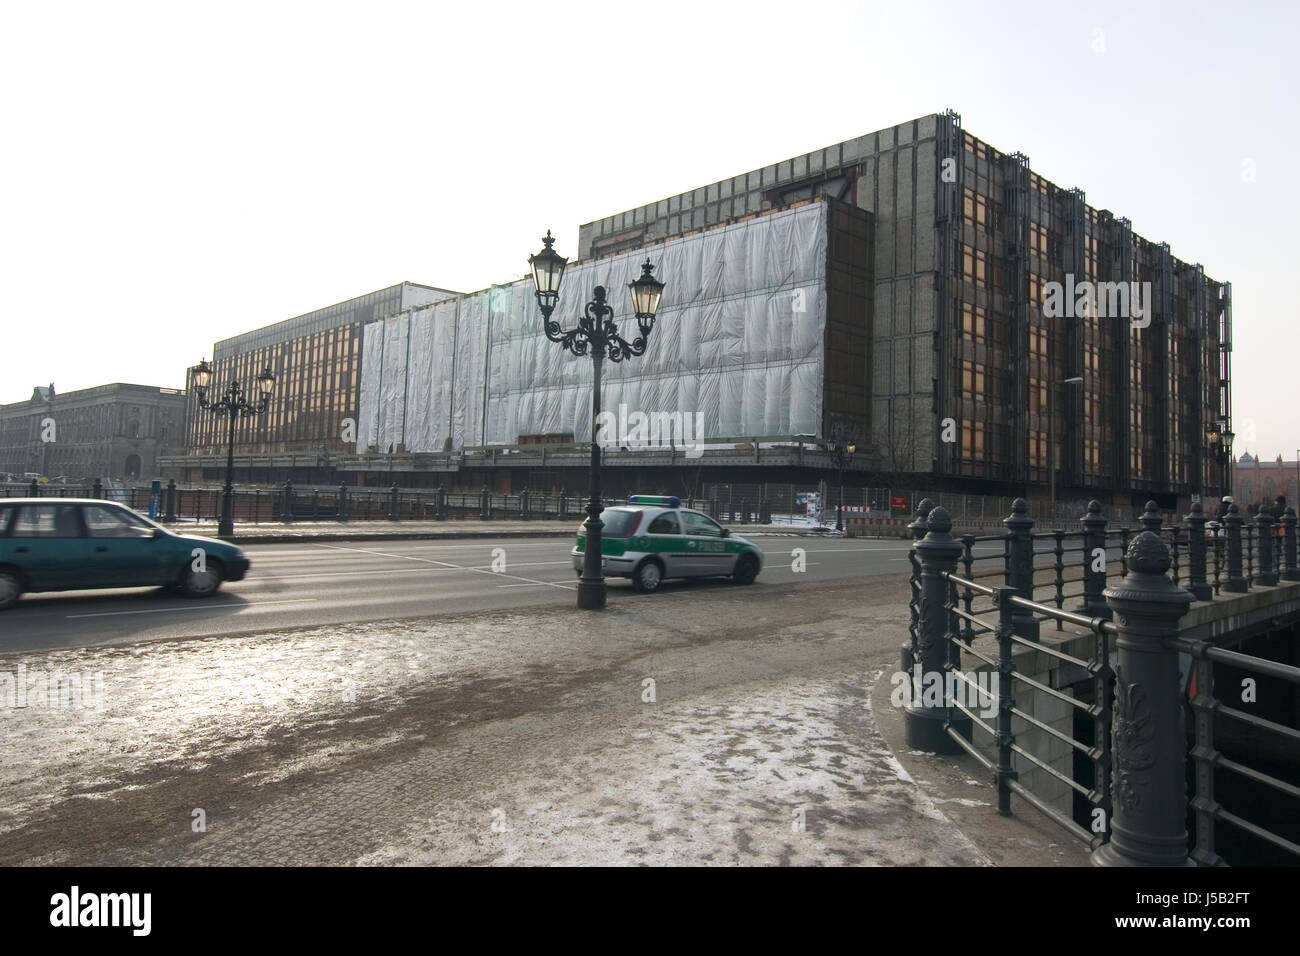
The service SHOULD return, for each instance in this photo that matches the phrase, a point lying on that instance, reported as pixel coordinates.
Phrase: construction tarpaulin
(738, 341)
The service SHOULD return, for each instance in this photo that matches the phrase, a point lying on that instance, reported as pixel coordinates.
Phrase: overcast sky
(175, 173)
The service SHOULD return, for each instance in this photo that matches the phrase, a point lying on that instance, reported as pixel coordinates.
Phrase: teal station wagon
(654, 538)
(72, 544)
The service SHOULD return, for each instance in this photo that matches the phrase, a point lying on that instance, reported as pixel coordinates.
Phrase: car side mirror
(726, 532)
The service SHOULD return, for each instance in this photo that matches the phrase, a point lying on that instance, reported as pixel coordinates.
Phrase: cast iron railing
(1133, 798)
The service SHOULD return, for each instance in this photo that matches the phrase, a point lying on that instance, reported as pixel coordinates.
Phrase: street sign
(898, 502)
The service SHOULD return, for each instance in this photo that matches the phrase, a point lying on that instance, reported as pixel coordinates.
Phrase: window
(1091, 359)
(972, 322)
(973, 265)
(700, 525)
(1038, 239)
(975, 147)
(1037, 448)
(1038, 342)
(976, 207)
(103, 522)
(972, 439)
(47, 521)
(972, 380)
(666, 523)
(1037, 289)
(1091, 454)
(1037, 394)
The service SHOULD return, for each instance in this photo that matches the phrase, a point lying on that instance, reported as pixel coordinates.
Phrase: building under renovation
(972, 323)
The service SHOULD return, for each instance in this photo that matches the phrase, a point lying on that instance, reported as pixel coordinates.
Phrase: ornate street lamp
(841, 446)
(233, 403)
(597, 333)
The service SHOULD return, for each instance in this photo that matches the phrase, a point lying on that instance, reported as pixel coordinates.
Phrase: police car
(653, 538)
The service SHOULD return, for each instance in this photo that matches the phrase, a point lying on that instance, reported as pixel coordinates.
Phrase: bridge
(1158, 719)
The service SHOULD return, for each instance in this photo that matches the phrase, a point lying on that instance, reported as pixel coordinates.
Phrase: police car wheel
(648, 576)
(746, 570)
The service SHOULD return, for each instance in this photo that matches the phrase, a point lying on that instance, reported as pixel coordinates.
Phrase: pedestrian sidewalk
(759, 733)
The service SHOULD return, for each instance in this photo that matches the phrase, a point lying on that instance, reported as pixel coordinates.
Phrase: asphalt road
(314, 583)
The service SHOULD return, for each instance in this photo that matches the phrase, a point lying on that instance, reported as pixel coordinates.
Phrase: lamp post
(598, 334)
(841, 447)
(1051, 438)
(233, 403)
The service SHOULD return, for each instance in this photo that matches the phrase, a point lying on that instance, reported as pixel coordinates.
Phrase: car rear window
(619, 522)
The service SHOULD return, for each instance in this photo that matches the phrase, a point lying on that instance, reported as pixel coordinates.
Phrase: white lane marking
(194, 607)
(448, 564)
(281, 579)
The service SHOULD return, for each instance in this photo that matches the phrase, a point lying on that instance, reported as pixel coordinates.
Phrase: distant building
(316, 358)
(1258, 482)
(110, 431)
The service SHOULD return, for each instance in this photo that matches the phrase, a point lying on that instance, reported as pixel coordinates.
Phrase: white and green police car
(653, 538)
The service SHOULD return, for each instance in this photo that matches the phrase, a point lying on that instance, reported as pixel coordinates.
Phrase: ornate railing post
(1264, 521)
(1006, 738)
(1020, 564)
(1148, 785)
(169, 513)
(393, 514)
(484, 504)
(286, 502)
(1197, 585)
(744, 511)
(1152, 520)
(343, 502)
(1236, 583)
(1094, 562)
(440, 504)
(1205, 758)
(923, 720)
(523, 505)
(1290, 560)
(918, 528)
(97, 489)
(564, 505)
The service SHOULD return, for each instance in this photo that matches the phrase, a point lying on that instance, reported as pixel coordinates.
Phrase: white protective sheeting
(739, 339)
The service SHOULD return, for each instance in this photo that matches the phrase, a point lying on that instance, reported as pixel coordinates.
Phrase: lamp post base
(591, 594)
(226, 525)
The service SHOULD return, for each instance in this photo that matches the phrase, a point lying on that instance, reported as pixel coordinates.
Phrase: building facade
(983, 330)
(993, 289)
(111, 431)
(1258, 482)
(316, 359)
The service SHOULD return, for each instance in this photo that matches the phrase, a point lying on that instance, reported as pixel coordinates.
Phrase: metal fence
(1125, 772)
(288, 503)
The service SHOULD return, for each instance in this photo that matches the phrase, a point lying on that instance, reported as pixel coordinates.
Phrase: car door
(48, 543)
(705, 544)
(123, 550)
(665, 535)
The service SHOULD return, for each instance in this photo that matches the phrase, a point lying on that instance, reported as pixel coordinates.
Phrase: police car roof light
(667, 501)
